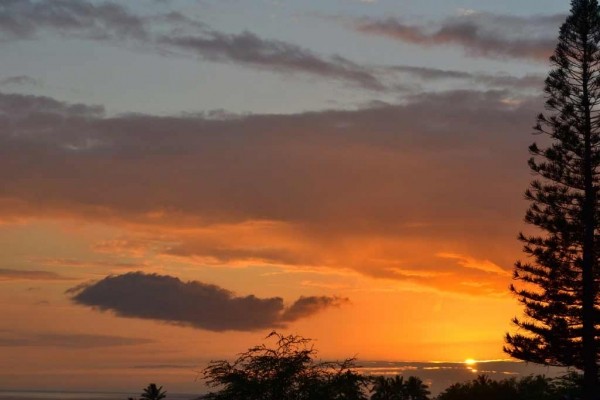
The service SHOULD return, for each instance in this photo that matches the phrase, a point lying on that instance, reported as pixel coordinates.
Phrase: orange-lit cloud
(381, 191)
(481, 265)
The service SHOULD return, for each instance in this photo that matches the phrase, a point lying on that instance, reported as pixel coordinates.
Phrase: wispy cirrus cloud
(173, 33)
(66, 340)
(25, 19)
(481, 265)
(85, 264)
(196, 304)
(528, 81)
(30, 275)
(247, 48)
(479, 34)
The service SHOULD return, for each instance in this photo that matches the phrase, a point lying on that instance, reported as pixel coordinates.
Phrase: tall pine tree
(559, 286)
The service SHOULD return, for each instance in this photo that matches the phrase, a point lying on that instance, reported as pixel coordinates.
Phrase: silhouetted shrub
(286, 371)
(396, 388)
(528, 388)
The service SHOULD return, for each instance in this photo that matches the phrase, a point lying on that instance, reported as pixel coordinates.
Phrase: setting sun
(185, 181)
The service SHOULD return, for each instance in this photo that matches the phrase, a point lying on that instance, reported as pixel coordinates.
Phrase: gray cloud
(20, 80)
(14, 274)
(531, 81)
(175, 34)
(66, 340)
(307, 306)
(479, 34)
(18, 106)
(137, 164)
(195, 304)
(172, 33)
(247, 48)
(21, 19)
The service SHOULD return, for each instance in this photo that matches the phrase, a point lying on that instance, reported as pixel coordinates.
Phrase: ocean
(42, 395)
(437, 375)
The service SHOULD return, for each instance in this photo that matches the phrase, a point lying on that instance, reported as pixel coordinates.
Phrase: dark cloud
(175, 34)
(21, 19)
(172, 33)
(18, 106)
(66, 340)
(530, 81)
(20, 80)
(196, 304)
(14, 274)
(247, 48)
(307, 306)
(238, 168)
(479, 34)
(431, 73)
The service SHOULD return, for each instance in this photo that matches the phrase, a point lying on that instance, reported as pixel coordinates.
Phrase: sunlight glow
(470, 362)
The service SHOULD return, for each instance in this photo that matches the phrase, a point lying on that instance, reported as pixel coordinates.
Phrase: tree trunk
(590, 366)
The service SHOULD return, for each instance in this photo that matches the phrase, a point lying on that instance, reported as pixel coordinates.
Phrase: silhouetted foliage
(569, 386)
(560, 290)
(395, 388)
(152, 392)
(286, 371)
(528, 388)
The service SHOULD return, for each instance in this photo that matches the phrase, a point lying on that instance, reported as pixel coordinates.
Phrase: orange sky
(418, 236)
(386, 319)
(173, 185)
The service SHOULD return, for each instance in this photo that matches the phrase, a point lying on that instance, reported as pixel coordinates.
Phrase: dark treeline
(397, 388)
(289, 370)
(527, 388)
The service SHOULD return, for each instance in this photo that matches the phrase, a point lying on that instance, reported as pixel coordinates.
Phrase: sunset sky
(180, 177)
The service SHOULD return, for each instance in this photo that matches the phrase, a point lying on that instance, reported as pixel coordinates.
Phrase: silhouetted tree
(382, 389)
(569, 386)
(396, 388)
(416, 389)
(152, 392)
(388, 388)
(560, 290)
(287, 371)
(483, 388)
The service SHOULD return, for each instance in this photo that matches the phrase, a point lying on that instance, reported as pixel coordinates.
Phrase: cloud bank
(330, 190)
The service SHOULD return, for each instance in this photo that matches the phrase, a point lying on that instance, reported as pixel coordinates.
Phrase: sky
(181, 177)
